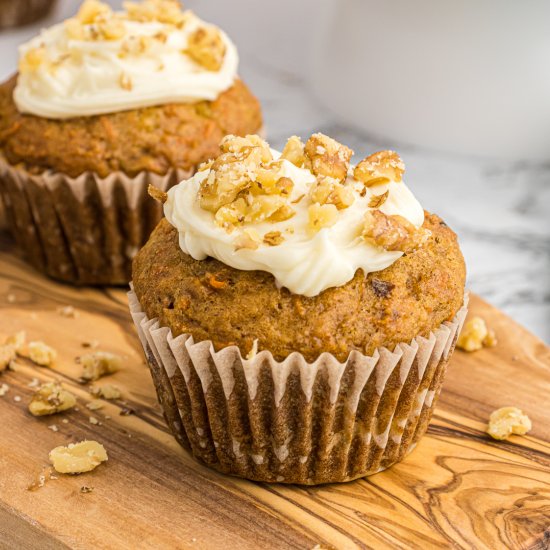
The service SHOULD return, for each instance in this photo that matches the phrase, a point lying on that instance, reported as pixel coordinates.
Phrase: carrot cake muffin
(104, 104)
(298, 313)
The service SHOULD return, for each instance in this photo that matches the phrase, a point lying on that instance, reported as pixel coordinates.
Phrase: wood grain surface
(459, 489)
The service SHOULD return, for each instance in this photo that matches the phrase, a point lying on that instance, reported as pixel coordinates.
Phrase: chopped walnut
(98, 364)
(255, 209)
(4, 389)
(376, 201)
(86, 489)
(95, 405)
(328, 157)
(320, 216)
(95, 21)
(158, 194)
(206, 47)
(51, 398)
(238, 144)
(392, 232)
(40, 353)
(77, 458)
(7, 355)
(294, 152)
(507, 421)
(330, 191)
(164, 11)
(273, 238)
(66, 311)
(125, 82)
(380, 167)
(16, 340)
(91, 10)
(107, 391)
(249, 239)
(269, 180)
(231, 173)
(475, 335)
(33, 59)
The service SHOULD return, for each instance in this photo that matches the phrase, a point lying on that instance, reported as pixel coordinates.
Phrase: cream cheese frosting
(147, 65)
(305, 263)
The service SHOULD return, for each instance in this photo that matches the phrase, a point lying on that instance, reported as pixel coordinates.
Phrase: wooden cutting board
(458, 489)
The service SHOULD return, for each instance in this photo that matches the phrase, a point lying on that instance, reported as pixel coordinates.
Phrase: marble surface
(501, 211)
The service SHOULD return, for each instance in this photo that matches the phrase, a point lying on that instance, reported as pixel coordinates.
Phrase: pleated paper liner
(290, 421)
(82, 230)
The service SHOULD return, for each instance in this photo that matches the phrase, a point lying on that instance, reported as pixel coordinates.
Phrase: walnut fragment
(381, 167)
(98, 364)
(51, 398)
(476, 335)
(393, 233)
(78, 458)
(40, 353)
(507, 421)
(107, 391)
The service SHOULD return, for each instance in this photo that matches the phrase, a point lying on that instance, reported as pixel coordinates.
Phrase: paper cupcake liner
(83, 230)
(293, 421)
(22, 12)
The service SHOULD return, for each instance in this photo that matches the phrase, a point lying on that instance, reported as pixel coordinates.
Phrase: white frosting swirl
(303, 263)
(86, 77)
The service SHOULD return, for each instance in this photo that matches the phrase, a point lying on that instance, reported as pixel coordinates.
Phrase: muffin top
(299, 252)
(101, 61)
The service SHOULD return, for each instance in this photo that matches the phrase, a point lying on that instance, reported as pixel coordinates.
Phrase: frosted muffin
(297, 313)
(103, 105)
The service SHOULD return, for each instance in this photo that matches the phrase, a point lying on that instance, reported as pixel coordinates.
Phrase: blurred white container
(469, 76)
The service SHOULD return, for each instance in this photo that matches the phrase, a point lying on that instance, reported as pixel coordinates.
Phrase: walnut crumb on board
(51, 398)
(67, 311)
(10, 348)
(39, 353)
(4, 389)
(507, 421)
(78, 458)
(86, 489)
(107, 391)
(475, 335)
(44, 476)
(98, 364)
(95, 405)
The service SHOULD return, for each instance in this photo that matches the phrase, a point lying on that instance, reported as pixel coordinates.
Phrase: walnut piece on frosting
(321, 215)
(393, 233)
(95, 21)
(507, 421)
(237, 144)
(380, 167)
(78, 458)
(51, 398)
(294, 152)
(328, 157)
(328, 190)
(163, 11)
(245, 185)
(33, 60)
(207, 48)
